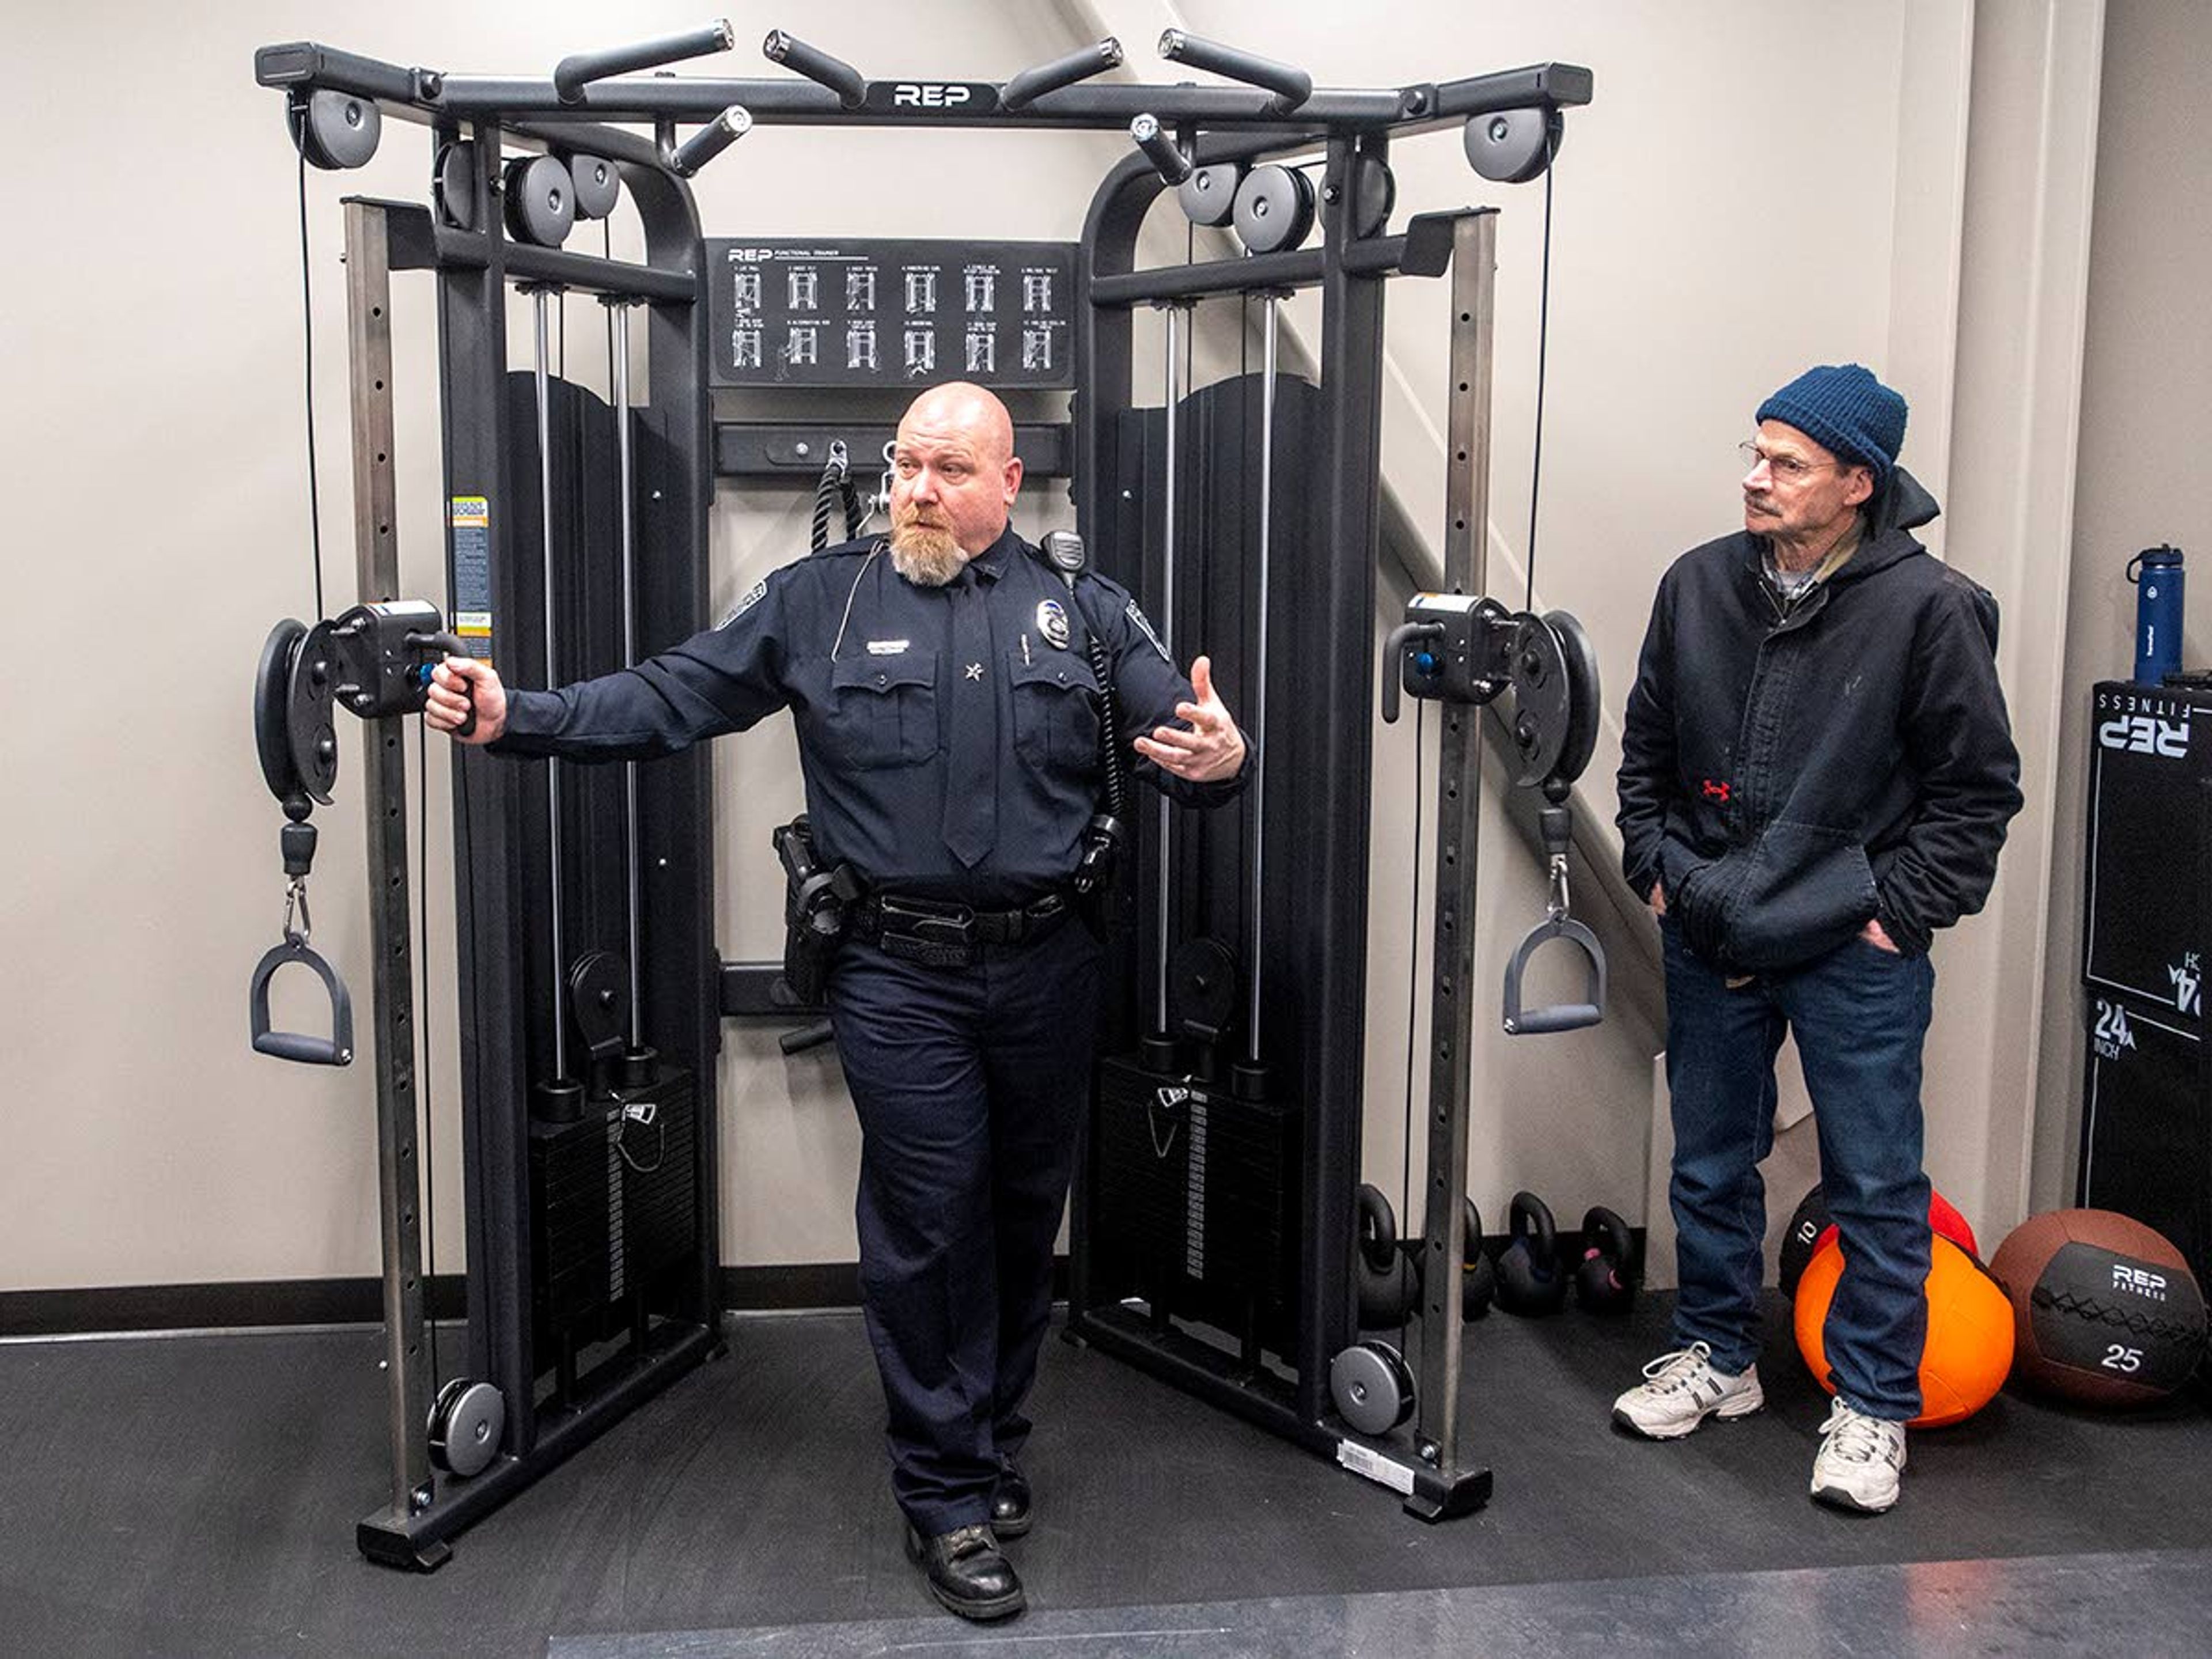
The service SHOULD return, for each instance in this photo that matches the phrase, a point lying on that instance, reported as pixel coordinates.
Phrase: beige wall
(2146, 427)
(149, 316)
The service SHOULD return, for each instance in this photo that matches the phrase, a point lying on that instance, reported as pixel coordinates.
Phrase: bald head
(954, 479)
(961, 411)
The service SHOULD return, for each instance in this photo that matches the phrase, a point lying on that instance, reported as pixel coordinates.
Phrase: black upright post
(483, 582)
(675, 490)
(1323, 894)
(1104, 363)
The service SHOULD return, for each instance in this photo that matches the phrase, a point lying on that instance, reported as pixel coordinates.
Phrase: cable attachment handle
(1393, 660)
(1559, 923)
(307, 1049)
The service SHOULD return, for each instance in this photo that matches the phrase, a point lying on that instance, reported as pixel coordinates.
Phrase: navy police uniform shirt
(872, 667)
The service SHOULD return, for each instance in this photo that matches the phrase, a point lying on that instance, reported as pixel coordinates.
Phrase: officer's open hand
(1211, 748)
(455, 684)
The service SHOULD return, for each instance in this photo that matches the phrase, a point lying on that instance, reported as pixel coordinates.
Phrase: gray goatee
(926, 555)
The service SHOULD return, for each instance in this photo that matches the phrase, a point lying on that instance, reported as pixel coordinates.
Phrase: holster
(816, 905)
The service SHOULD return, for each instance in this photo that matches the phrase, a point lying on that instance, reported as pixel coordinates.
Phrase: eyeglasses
(1786, 469)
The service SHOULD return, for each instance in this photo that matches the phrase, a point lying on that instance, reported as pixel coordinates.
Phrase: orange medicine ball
(1970, 1330)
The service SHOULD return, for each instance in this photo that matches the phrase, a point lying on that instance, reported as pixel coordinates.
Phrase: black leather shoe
(1010, 1507)
(966, 1573)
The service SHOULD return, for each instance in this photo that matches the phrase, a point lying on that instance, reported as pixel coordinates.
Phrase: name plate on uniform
(855, 312)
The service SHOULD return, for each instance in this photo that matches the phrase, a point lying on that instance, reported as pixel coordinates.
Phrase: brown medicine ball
(2106, 1309)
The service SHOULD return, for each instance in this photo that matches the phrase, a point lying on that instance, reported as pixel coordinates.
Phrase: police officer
(949, 735)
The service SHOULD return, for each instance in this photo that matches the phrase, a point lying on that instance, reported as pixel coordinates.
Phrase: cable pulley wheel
(310, 731)
(1542, 699)
(598, 1000)
(1513, 146)
(1275, 209)
(1202, 988)
(272, 684)
(467, 1422)
(453, 185)
(1371, 1386)
(1374, 193)
(334, 130)
(541, 200)
(1208, 196)
(599, 185)
(1584, 694)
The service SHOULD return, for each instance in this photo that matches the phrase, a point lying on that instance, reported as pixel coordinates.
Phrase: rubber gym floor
(196, 1494)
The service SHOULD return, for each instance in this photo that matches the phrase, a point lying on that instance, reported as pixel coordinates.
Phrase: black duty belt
(939, 933)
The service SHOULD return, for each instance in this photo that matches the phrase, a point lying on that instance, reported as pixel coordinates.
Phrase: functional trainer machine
(590, 988)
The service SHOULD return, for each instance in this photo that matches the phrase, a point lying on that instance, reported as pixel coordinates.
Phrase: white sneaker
(1859, 1461)
(1680, 1390)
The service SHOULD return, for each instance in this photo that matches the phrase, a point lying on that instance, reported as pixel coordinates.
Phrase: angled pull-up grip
(1161, 150)
(1291, 86)
(1559, 1016)
(1022, 89)
(579, 70)
(818, 66)
(336, 1049)
(710, 141)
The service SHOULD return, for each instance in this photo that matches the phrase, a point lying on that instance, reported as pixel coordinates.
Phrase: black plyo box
(2144, 914)
(908, 313)
(2146, 1130)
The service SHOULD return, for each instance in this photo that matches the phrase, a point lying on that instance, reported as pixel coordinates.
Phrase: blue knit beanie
(1842, 407)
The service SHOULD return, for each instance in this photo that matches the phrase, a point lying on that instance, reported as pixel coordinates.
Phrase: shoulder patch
(1144, 626)
(751, 597)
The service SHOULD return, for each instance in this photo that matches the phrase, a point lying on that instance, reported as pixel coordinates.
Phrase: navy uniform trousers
(970, 1086)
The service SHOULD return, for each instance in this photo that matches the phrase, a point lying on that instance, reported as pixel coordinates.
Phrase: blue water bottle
(2158, 613)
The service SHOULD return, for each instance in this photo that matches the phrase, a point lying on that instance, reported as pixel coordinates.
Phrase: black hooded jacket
(1790, 777)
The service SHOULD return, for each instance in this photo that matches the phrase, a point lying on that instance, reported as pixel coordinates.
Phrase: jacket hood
(1905, 505)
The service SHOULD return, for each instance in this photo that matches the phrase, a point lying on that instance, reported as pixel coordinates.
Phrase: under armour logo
(974, 670)
(1718, 792)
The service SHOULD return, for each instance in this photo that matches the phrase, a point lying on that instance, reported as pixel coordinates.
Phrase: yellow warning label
(471, 511)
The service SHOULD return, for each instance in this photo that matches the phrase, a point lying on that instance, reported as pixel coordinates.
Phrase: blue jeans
(1859, 1014)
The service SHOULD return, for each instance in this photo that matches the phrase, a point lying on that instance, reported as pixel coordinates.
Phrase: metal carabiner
(1556, 904)
(295, 900)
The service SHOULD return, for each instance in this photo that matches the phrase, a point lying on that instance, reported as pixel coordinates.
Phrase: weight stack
(660, 1177)
(575, 1207)
(1192, 1193)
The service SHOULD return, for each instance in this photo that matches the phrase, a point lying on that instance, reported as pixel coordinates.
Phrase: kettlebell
(1387, 1286)
(1530, 1280)
(1478, 1284)
(1605, 1280)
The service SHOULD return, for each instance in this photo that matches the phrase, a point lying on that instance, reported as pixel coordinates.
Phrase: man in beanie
(1816, 775)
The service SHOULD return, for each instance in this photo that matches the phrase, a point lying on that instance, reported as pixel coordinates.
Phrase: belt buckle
(937, 940)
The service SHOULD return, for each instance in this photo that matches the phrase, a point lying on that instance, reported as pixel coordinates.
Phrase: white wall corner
(2023, 315)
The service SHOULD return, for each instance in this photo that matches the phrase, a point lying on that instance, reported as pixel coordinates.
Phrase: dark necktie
(971, 773)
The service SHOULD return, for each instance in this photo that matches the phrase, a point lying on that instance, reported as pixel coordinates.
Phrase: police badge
(1052, 622)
